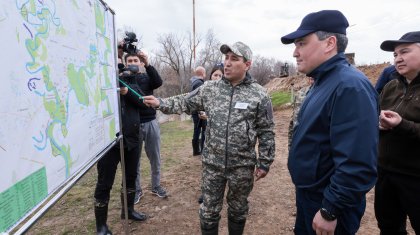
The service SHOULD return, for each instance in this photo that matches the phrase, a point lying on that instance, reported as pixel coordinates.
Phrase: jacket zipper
(401, 97)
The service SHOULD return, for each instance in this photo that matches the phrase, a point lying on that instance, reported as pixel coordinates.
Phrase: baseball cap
(410, 37)
(331, 21)
(239, 49)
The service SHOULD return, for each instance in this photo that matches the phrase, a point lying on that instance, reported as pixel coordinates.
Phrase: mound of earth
(298, 81)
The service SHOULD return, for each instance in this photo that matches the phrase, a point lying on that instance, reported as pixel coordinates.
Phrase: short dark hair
(342, 39)
(130, 54)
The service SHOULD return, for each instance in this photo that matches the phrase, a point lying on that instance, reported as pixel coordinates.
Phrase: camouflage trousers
(240, 181)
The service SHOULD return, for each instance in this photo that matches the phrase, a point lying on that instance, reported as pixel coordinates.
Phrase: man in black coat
(107, 165)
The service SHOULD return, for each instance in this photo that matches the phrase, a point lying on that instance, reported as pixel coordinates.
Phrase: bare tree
(262, 69)
(177, 53)
(175, 61)
(210, 54)
(278, 68)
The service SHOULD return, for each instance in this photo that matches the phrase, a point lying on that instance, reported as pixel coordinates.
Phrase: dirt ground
(272, 209)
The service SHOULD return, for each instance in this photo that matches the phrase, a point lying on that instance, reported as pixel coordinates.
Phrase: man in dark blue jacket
(332, 158)
(199, 124)
(385, 77)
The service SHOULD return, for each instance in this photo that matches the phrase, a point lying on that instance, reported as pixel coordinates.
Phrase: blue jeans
(150, 136)
(308, 204)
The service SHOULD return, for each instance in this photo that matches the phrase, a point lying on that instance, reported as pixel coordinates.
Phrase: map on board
(58, 100)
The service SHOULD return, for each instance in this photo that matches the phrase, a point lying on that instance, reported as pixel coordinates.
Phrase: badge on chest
(241, 105)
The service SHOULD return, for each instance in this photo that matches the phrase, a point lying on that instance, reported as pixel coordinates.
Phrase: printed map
(58, 100)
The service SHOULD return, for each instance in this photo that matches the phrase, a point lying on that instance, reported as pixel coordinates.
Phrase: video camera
(128, 44)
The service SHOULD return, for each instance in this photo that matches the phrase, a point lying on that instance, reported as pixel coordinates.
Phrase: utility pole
(194, 31)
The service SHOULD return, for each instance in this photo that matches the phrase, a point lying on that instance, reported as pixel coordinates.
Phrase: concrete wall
(162, 118)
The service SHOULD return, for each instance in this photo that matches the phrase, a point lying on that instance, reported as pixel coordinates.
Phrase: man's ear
(331, 44)
(248, 64)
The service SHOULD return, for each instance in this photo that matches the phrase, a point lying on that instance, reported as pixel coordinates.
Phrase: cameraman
(107, 165)
(149, 126)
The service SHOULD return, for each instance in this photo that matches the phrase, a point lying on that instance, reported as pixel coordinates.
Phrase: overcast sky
(261, 23)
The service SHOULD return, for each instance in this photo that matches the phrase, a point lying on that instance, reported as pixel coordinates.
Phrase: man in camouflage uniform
(239, 113)
(297, 102)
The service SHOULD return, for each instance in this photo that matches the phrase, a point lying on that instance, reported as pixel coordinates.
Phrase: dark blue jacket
(334, 145)
(387, 75)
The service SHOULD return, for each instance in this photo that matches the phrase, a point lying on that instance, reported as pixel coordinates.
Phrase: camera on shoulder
(129, 45)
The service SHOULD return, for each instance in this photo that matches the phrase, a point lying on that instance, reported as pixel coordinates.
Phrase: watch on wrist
(327, 215)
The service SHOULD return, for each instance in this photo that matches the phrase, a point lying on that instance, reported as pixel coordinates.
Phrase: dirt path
(272, 208)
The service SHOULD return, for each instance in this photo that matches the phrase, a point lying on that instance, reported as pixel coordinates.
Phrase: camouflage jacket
(297, 102)
(237, 117)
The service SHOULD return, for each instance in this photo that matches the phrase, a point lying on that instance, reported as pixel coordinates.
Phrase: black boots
(207, 229)
(101, 214)
(236, 227)
(132, 214)
(196, 147)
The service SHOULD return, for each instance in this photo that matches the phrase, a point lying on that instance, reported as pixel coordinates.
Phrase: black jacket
(131, 105)
(399, 148)
(147, 82)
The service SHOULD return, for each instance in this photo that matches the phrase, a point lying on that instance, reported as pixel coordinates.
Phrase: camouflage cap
(239, 49)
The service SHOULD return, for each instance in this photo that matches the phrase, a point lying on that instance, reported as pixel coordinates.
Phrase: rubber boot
(196, 147)
(132, 214)
(101, 215)
(209, 229)
(236, 227)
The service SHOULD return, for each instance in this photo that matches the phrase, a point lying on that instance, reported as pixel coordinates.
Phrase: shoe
(138, 197)
(159, 191)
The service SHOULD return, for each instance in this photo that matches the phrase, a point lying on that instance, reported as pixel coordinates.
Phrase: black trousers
(107, 168)
(396, 197)
(199, 127)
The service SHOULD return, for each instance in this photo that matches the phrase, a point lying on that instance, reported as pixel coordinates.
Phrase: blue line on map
(39, 140)
(39, 93)
(63, 153)
(30, 64)
(42, 139)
